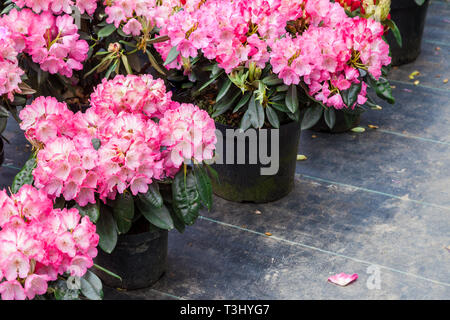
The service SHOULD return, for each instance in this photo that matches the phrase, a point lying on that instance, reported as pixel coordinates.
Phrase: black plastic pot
(344, 122)
(410, 20)
(139, 259)
(244, 182)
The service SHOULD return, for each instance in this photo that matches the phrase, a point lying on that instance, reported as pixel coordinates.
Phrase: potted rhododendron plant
(122, 163)
(268, 64)
(410, 17)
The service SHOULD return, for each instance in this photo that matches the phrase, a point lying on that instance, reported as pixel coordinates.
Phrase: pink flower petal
(343, 279)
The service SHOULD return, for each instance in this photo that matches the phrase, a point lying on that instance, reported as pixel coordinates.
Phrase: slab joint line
(424, 203)
(324, 251)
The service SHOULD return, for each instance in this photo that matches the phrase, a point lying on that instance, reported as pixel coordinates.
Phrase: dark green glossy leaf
(291, 98)
(106, 31)
(272, 80)
(152, 196)
(243, 101)
(25, 176)
(177, 221)
(223, 91)
(395, 31)
(123, 211)
(204, 187)
(225, 104)
(159, 217)
(245, 122)
(173, 54)
(186, 200)
(91, 286)
(107, 230)
(90, 210)
(256, 112)
(272, 117)
(330, 117)
(312, 116)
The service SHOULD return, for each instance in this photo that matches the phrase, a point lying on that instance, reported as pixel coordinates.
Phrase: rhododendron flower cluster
(309, 41)
(51, 41)
(38, 243)
(9, 66)
(58, 6)
(132, 135)
(132, 94)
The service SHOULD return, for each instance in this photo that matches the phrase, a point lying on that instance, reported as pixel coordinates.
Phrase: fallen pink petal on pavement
(343, 279)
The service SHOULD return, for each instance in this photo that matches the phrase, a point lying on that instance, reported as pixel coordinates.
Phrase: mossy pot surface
(139, 259)
(245, 182)
(410, 20)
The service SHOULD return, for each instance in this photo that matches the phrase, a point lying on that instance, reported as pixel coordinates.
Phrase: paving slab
(375, 203)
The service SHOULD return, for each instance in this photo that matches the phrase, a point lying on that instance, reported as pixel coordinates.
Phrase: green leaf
(420, 2)
(226, 86)
(350, 96)
(106, 31)
(154, 63)
(245, 122)
(204, 187)
(330, 117)
(107, 230)
(272, 117)
(126, 64)
(3, 123)
(382, 88)
(90, 210)
(111, 69)
(395, 31)
(312, 116)
(243, 101)
(123, 212)
(256, 112)
(291, 98)
(186, 202)
(152, 196)
(177, 221)
(206, 84)
(173, 54)
(272, 80)
(282, 88)
(112, 274)
(224, 105)
(159, 217)
(91, 286)
(123, 34)
(25, 176)
(4, 113)
(96, 143)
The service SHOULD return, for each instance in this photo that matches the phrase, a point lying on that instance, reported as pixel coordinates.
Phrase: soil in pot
(139, 258)
(245, 182)
(410, 20)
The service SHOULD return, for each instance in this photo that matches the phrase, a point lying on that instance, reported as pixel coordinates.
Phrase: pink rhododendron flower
(38, 242)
